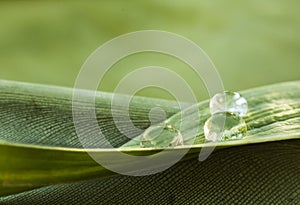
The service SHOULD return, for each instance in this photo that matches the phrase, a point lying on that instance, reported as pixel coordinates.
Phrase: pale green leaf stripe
(39, 146)
(274, 114)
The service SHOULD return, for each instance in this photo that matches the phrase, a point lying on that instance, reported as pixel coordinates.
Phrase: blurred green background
(251, 43)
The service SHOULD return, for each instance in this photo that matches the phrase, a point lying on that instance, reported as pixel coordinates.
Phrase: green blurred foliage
(251, 43)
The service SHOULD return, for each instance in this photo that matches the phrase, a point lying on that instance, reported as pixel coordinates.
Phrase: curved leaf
(39, 146)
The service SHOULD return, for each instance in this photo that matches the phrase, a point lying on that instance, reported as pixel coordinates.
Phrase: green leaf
(39, 146)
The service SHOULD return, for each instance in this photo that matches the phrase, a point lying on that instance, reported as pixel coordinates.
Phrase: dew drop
(229, 101)
(161, 135)
(224, 126)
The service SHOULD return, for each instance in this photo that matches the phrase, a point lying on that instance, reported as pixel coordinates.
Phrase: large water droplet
(224, 126)
(228, 102)
(161, 135)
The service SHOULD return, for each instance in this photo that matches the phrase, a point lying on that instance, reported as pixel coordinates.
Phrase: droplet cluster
(226, 122)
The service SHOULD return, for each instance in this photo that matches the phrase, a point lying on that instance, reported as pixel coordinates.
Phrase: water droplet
(161, 135)
(224, 126)
(228, 102)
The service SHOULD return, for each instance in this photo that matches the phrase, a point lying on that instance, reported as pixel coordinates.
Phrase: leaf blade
(26, 110)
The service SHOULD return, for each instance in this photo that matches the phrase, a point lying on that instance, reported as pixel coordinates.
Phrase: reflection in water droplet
(161, 135)
(224, 126)
(229, 102)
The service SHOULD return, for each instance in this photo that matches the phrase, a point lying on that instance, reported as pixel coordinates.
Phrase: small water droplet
(229, 101)
(161, 135)
(224, 126)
